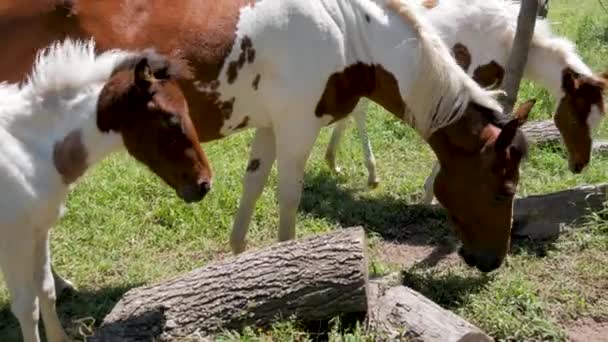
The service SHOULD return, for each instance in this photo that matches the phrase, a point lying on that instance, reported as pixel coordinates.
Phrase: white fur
(59, 96)
(487, 29)
(298, 45)
(594, 118)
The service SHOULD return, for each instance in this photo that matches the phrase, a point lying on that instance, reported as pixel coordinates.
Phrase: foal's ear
(523, 111)
(143, 75)
(569, 83)
(506, 136)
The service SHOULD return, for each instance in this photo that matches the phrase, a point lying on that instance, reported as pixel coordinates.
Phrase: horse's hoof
(64, 288)
(373, 183)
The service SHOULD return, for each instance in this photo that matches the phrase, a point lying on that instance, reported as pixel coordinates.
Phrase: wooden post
(518, 58)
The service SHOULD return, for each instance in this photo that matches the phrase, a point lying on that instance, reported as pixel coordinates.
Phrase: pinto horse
(481, 33)
(56, 125)
(288, 68)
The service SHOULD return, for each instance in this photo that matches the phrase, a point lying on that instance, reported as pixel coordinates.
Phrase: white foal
(72, 111)
(480, 33)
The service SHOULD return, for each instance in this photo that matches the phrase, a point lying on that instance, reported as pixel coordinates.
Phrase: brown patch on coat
(256, 82)
(489, 75)
(430, 3)
(247, 55)
(344, 89)
(70, 157)
(253, 165)
(462, 56)
(202, 34)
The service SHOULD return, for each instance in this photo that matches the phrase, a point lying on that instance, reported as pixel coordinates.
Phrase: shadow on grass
(81, 310)
(448, 290)
(390, 218)
(393, 219)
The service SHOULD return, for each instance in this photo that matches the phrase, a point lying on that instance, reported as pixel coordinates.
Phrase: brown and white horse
(290, 67)
(74, 109)
(481, 33)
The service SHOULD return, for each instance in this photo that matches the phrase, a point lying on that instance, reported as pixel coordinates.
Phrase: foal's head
(480, 159)
(143, 102)
(580, 110)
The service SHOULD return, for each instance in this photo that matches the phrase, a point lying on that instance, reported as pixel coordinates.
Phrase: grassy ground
(124, 228)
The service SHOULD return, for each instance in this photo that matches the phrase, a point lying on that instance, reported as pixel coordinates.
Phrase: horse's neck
(41, 123)
(547, 60)
(433, 88)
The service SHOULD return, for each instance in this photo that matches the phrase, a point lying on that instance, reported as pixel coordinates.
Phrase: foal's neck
(58, 118)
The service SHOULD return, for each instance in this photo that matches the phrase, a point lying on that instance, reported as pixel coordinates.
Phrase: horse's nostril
(204, 187)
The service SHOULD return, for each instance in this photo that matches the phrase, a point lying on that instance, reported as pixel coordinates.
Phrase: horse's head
(478, 179)
(143, 102)
(580, 110)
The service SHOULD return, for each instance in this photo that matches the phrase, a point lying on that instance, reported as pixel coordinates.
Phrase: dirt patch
(588, 330)
(407, 255)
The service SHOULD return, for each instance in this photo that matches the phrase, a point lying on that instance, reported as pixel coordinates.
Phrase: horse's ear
(143, 75)
(506, 136)
(569, 77)
(523, 111)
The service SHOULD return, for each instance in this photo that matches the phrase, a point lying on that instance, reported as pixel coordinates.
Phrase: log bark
(518, 57)
(541, 131)
(544, 216)
(311, 279)
(397, 312)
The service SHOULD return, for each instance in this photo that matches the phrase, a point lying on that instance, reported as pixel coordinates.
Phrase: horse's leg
(45, 287)
(429, 194)
(334, 143)
(360, 115)
(17, 262)
(292, 155)
(261, 158)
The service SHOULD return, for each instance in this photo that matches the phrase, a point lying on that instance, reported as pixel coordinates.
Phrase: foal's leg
(45, 287)
(62, 286)
(261, 158)
(360, 115)
(17, 263)
(294, 143)
(334, 143)
(429, 194)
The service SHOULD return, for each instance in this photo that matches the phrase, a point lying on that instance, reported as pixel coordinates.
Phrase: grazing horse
(480, 33)
(73, 110)
(288, 68)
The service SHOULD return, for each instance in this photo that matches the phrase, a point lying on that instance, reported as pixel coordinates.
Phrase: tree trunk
(519, 52)
(397, 312)
(312, 279)
(542, 217)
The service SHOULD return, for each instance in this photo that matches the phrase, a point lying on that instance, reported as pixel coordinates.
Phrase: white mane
(442, 89)
(548, 51)
(70, 65)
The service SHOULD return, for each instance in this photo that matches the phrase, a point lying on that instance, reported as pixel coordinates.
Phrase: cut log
(310, 279)
(543, 216)
(397, 312)
(541, 131)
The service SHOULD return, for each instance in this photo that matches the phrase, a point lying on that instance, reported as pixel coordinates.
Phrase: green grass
(124, 228)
